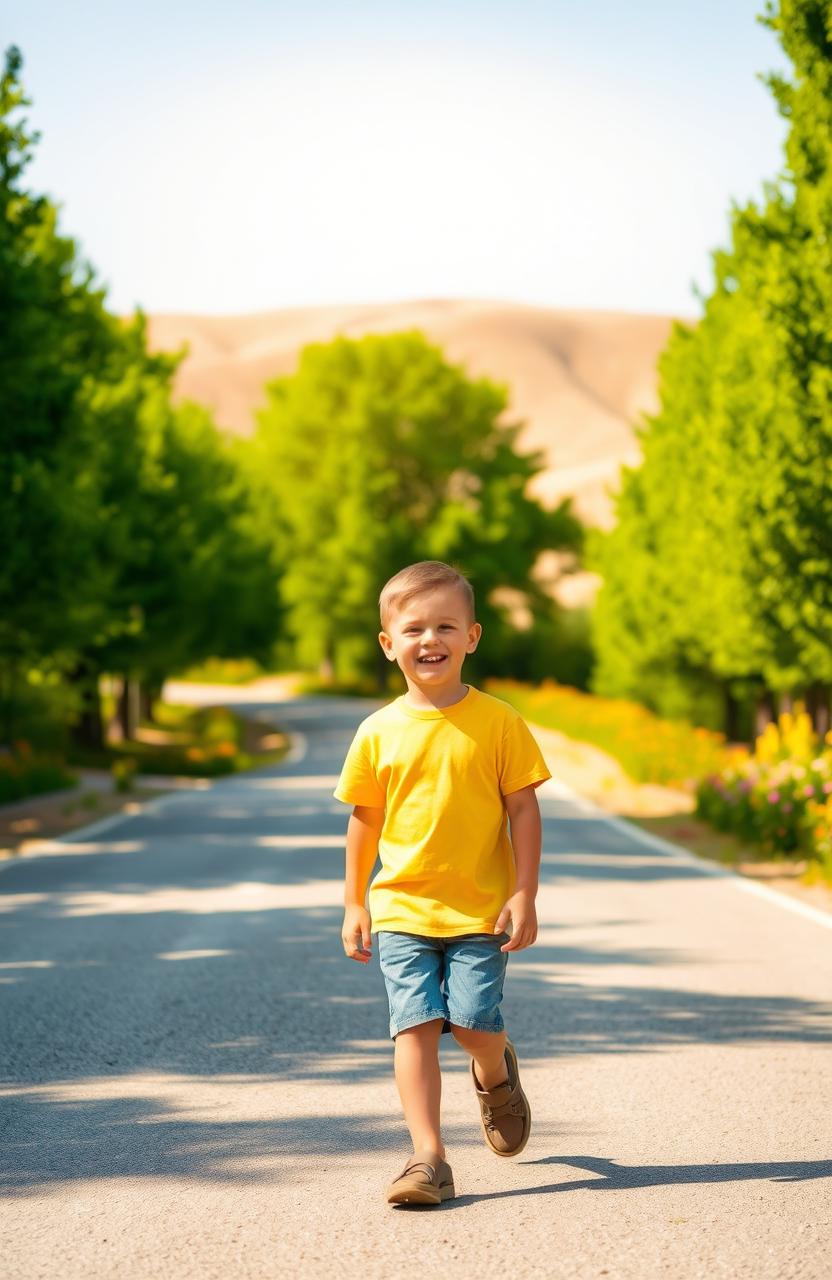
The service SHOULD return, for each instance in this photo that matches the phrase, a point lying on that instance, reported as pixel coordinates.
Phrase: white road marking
(676, 853)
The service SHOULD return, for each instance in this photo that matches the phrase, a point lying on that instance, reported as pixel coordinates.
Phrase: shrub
(24, 772)
(779, 796)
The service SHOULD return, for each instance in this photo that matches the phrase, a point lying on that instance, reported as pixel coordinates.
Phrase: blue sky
(228, 158)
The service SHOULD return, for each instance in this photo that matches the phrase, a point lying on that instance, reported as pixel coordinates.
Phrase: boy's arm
(526, 835)
(363, 831)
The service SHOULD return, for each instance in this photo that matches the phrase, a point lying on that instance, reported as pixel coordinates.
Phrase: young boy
(432, 776)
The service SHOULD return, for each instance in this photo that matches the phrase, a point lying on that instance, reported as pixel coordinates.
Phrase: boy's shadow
(614, 1177)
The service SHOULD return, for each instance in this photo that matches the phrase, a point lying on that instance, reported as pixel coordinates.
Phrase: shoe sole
(421, 1194)
(515, 1150)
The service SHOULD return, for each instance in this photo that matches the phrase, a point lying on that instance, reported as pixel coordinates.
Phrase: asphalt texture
(196, 1082)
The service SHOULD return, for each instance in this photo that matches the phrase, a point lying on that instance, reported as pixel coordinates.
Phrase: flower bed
(668, 752)
(205, 742)
(780, 795)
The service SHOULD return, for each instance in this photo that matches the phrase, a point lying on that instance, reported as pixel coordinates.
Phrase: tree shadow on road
(610, 1176)
(271, 993)
(97, 991)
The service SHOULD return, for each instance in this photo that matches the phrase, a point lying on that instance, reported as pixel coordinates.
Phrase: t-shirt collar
(437, 713)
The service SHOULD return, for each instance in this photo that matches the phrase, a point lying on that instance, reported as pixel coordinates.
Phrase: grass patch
(223, 671)
(85, 802)
(202, 742)
(360, 687)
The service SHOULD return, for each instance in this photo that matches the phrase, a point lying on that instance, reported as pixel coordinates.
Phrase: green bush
(779, 797)
(26, 773)
(123, 772)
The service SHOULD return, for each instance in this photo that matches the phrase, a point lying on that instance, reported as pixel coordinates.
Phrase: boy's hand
(355, 934)
(520, 909)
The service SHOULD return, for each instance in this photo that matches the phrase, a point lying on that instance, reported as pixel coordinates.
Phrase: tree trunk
(112, 729)
(730, 713)
(148, 694)
(123, 709)
(128, 707)
(764, 713)
(87, 732)
(817, 705)
(8, 705)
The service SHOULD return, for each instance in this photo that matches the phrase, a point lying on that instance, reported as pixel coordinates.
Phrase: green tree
(784, 254)
(129, 539)
(53, 331)
(720, 569)
(377, 453)
(189, 570)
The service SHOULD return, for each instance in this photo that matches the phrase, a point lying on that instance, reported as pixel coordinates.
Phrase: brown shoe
(505, 1113)
(425, 1179)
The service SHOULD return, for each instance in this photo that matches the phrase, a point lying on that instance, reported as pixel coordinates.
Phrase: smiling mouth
(434, 660)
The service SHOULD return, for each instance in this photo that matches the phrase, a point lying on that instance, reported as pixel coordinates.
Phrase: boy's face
(429, 637)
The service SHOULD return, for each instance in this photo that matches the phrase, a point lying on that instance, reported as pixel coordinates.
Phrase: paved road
(194, 1082)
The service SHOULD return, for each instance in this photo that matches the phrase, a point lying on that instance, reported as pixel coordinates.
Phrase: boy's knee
(466, 1036)
(429, 1030)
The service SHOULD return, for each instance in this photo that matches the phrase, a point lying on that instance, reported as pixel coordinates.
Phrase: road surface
(195, 1082)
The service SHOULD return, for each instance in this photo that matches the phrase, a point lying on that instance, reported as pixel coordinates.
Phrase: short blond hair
(414, 580)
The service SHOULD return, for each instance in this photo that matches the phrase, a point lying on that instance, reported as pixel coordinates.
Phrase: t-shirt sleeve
(522, 762)
(358, 783)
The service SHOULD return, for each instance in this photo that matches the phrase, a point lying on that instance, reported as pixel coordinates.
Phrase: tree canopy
(719, 572)
(377, 453)
(128, 536)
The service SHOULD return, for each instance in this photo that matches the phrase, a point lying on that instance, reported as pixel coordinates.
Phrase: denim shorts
(457, 979)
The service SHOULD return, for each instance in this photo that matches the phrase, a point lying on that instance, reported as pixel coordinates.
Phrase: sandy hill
(578, 379)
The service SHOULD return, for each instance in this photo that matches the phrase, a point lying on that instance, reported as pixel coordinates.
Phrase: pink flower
(773, 797)
(808, 791)
(827, 786)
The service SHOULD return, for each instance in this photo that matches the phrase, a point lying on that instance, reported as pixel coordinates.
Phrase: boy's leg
(413, 968)
(475, 974)
(488, 1049)
(419, 1081)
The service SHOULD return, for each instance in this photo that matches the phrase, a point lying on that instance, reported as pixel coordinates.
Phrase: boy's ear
(474, 633)
(387, 645)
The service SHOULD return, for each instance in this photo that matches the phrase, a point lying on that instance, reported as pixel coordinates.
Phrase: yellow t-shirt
(447, 865)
